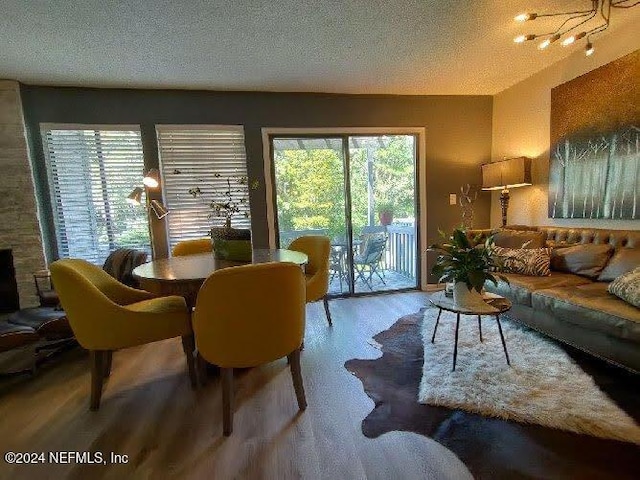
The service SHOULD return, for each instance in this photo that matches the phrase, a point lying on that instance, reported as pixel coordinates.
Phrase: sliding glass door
(361, 192)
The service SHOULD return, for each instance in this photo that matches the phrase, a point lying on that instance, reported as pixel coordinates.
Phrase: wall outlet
(453, 199)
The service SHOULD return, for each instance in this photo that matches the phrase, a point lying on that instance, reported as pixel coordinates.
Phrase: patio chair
(337, 265)
(368, 262)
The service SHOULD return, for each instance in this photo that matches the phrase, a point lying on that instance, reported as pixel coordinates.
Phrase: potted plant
(385, 213)
(468, 264)
(230, 243)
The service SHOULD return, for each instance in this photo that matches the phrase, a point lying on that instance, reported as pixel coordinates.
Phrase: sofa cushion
(587, 260)
(520, 286)
(519, 239)
(627, 287)
(591, 307)
(623, 261)
(527, 261)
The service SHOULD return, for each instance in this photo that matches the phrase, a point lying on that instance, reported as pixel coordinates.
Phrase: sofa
(573, 304)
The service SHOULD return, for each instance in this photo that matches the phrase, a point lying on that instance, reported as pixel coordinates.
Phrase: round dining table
(185, 275)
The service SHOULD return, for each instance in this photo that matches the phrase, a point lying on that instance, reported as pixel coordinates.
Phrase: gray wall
(458, 131)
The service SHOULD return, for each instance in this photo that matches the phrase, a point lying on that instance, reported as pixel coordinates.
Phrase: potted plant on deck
(467, 263)
(385, 213)
(233, 200)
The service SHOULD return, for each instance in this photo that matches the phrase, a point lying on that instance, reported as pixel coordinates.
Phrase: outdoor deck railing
(401, 250)
(400, 255)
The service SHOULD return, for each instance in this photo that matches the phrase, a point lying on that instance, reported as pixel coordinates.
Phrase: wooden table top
(199, 267)
(494, 304)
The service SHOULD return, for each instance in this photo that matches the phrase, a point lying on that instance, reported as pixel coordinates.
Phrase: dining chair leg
(96, 357)
(325, 300)
(201, 368)
(108, 358)
(296, 376)
(226, 375)
(189, 345)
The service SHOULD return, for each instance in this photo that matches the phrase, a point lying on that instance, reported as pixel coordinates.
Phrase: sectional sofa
(572, 304)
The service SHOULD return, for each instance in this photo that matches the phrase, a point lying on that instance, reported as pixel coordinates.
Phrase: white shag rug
(543, 386)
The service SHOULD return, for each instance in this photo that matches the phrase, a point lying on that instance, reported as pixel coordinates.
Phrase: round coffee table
(495, 306)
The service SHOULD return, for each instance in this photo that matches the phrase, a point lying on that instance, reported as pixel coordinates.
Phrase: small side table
(496, 305)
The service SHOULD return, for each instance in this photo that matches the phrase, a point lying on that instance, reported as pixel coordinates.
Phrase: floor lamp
(151, 181)
(506, 174)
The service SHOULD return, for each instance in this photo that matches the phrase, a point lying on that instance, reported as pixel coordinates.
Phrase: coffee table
(495, 306)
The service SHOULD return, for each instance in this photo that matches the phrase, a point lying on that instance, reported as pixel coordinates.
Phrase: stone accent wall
(19, 226)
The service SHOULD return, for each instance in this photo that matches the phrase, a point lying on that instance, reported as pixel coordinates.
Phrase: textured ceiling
(345, 46)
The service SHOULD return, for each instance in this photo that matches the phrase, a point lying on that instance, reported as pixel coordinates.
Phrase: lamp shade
(159, 209)
(152, 178)
(135, 197)
(511, 173)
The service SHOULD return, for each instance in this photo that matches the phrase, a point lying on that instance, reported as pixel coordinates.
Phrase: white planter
(465, 298)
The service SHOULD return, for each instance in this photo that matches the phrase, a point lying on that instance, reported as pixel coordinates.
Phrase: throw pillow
(519, 239)
(587, 260)
(526, 261)
(623, 261)
(627, 287)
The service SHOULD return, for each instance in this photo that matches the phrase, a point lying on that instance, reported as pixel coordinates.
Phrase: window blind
(201, 157)
(91, 171)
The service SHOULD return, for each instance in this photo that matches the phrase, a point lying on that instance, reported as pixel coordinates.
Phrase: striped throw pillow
(627, 287)
(534, 262)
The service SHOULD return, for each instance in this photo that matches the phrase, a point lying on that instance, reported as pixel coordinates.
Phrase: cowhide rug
(493, 447)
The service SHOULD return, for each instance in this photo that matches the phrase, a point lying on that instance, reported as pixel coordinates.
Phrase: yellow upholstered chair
(318, 249)
(106, 315)
(192, 247)
(247, 316)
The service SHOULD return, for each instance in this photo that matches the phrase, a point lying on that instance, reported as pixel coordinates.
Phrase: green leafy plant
(462, 259)
(386, 207)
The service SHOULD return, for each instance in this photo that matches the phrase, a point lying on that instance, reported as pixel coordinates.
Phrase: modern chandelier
(575, 25)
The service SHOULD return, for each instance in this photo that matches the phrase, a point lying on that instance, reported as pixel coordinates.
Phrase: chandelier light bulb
(523, 38)
(589, 49)
(544, 44)
(568, 40)
(548, 41)
(523, 17)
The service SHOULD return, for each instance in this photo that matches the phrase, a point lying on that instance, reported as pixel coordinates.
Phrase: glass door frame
(268, 134)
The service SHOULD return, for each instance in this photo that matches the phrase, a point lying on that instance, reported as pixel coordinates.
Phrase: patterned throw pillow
(534, 262)
(627, 287)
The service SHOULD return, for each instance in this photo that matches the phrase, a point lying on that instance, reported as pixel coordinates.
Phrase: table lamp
(506, 174)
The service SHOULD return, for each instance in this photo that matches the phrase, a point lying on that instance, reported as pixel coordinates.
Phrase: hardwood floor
(150, 413)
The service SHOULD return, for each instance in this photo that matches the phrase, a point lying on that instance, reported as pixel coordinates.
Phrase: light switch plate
(453, 199)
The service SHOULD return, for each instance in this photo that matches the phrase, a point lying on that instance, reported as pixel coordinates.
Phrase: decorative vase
(465, 298)
(231, 243)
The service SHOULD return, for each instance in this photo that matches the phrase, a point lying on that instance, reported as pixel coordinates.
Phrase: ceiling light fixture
(573, 20)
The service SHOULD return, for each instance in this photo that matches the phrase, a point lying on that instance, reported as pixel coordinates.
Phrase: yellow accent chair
(250, 315)
(318, 249)
(192, 247)
(106, 315)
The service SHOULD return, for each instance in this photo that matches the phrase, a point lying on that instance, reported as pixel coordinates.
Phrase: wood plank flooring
(149, 413)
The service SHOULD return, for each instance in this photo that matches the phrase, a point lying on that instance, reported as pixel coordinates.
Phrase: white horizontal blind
(91, 171)
(203, 157)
